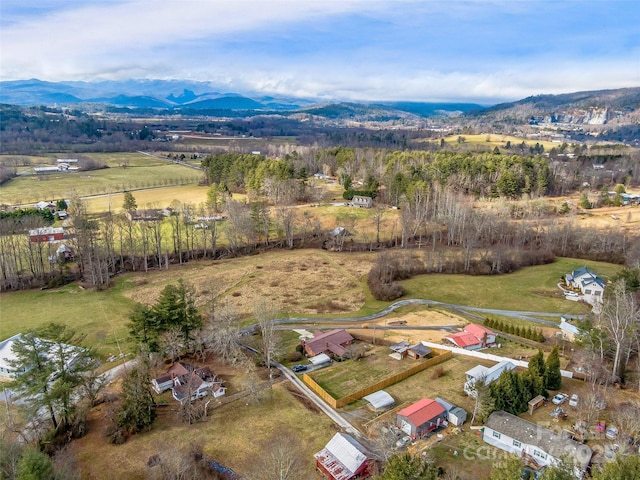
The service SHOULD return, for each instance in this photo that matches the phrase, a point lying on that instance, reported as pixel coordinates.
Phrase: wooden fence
(441, 356)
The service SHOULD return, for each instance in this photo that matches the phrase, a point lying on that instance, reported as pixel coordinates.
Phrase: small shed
(399, 349)
(418, 351)
(457, 416)
(379, 400)
(535, 403)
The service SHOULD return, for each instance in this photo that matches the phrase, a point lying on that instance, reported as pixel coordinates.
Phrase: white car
(573, 401)
(559, 399)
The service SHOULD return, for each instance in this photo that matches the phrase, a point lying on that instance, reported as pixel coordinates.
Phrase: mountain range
(619, 107)
(194, 96)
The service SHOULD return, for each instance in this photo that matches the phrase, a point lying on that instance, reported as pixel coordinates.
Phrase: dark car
(299, 368)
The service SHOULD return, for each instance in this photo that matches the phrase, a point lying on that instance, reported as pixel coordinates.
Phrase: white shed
(379, 400)
(321, 359)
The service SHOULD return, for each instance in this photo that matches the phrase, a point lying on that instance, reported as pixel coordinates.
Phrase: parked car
(559, 399)
(403, 442)
(299, 368)
(573, 401)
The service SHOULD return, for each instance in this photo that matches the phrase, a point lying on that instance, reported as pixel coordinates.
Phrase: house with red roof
(333, 342)
(473, 337)
(421, 418)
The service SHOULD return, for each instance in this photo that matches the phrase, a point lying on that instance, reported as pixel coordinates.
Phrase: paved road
(462, 309)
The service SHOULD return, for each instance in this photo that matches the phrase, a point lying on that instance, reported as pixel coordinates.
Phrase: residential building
(590, 285)
(184, 379)
(421, 418)
(473, 337)
(343, 458)
(486, 374)
(536, 445)
(332, 342)
(362, 201)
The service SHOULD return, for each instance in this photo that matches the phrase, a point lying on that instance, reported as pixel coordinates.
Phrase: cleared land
(297, 283)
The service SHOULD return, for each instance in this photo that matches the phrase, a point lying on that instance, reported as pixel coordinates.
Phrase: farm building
(333, 342)
(568, 330)
(488, 375)
(362, 201)
(473, 337)
(343, 458)
(46, 235)
(399, 349)
(65, 252)
(537, 446)
(144, 215)
(379, 400)
(421, 418)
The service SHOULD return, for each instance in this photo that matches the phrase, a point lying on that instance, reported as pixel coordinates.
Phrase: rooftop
(529, 433)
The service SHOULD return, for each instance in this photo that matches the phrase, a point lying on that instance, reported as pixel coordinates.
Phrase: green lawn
(528, 289)
(142, 172)
(101, 316)
(344, 378)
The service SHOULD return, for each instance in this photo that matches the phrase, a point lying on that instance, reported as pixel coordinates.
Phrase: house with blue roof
(590, 285)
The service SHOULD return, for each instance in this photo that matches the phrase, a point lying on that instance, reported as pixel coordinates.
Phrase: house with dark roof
(343, 458)
(418, 351)
(333, 342)
(537, 446)
(421, 418)
(473, 337)
(587, 282)
(184, 379)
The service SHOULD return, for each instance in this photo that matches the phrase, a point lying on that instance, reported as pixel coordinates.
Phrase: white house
(536, 445)
(590, 285)
(488, 375)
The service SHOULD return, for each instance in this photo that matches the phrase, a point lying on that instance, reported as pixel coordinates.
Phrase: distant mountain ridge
(177, 95)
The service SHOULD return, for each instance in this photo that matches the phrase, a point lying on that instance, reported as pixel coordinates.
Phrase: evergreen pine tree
(552, 376)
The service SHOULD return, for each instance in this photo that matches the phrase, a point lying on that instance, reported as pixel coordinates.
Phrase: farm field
(141, 172)
(495, 140)
(161, 197)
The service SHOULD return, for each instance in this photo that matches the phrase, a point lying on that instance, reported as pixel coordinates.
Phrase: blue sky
(477, 50)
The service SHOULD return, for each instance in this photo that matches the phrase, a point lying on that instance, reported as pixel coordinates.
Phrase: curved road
(461, 309)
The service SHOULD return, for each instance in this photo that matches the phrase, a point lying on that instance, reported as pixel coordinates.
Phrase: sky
(481, 51)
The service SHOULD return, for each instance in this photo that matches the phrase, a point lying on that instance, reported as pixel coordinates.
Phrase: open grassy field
(494, 140)
(142, 172)
(101, 316)
(528, 289)
(231, 435)
(297, 283)
(161, 197)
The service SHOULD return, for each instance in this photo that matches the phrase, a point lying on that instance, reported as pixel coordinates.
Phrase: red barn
(46, 235)
(343, 458)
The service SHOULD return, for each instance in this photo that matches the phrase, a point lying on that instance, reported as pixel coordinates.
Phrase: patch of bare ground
(425, 318)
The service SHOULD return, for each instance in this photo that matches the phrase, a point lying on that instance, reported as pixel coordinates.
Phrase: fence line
(442, 355)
